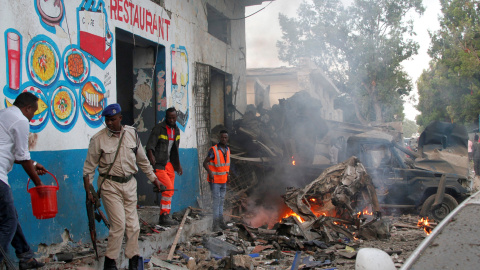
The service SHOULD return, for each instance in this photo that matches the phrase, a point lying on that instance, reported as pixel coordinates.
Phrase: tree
(450, 89)
(409, 128)
(360, 47)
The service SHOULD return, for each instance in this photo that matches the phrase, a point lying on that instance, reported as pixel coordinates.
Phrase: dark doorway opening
(140, 70)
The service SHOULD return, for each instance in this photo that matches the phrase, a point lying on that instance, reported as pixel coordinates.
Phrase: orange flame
(366, 212)
(425, 224)
(293, 161)
(291, 213)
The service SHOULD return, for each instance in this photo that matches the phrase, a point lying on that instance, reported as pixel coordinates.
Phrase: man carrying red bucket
(14, 130)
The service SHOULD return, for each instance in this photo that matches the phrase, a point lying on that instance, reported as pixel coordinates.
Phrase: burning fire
(364, 212)
(293, 161)
(291, 213)
(317, 209)
(425, 224)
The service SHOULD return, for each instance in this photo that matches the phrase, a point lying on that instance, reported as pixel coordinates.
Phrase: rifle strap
(111, 165)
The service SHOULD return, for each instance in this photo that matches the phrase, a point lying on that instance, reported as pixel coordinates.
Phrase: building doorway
(140, 69)
(212, 95)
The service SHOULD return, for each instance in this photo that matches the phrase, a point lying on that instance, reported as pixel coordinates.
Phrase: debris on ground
(244, 247)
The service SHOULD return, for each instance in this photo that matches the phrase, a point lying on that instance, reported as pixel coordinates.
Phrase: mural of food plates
(43, 62)
(75, 65)
(63, 107)
(40, 118)
(93, 101)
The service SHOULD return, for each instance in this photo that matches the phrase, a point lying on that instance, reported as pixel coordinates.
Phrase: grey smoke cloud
(263, 31)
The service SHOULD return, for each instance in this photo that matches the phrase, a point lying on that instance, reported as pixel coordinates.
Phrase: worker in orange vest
(217, 164)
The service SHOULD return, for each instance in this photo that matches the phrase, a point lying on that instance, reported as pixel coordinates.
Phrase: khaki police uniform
(119, 187)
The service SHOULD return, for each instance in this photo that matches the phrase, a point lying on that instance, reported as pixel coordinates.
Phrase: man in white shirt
(14, 130)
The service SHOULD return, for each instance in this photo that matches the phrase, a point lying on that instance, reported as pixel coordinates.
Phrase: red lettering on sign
(167, 22)
(126, 17)
(160, 26)
(120, 10)
(135, 18)
(131, 12)
(126, 11)
(142, 18)
(148, 22)
(155, 25)
(113, 9)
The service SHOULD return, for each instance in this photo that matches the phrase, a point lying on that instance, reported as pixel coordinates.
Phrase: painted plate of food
(75, 65)
(63, 105)
(40, 114)
(92, 98)
(43, 63)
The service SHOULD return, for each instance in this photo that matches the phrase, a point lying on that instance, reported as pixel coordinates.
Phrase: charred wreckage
(378, 174)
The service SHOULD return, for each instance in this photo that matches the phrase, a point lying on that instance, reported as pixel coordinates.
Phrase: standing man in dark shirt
(217, 165)
(163, 153)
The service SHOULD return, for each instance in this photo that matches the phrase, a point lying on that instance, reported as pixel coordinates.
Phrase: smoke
(265, 205)
(263, 216)
(263, 31)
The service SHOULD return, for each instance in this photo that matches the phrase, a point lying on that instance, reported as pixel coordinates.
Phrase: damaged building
(145, 55)
(151, 55)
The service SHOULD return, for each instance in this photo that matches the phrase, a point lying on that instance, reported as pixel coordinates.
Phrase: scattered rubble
(323, 216)
(245, 247)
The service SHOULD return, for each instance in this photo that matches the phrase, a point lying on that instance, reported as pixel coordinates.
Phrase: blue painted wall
(67, 166)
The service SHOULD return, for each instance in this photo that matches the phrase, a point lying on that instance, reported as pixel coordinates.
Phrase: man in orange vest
(217, 164)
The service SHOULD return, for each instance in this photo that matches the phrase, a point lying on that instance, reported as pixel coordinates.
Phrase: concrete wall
(281, 86)
(60, 135)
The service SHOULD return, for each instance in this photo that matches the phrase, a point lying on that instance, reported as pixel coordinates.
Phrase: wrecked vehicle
(339, 200)
(333, 192)
(412, 183)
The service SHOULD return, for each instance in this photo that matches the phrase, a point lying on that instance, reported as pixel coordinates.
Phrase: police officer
(116, 151)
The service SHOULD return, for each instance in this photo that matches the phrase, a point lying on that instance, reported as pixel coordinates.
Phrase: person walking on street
(14, 130)
(470, 153)
(163, 153)
(217, 165)
(476, 162)
(116, 150)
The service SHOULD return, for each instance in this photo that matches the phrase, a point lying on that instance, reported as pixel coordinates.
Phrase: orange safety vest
(219, 166)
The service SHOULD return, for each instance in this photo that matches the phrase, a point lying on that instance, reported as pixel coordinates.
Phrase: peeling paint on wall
(180, 80)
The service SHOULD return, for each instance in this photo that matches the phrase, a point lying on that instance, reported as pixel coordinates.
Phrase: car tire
(448, 204)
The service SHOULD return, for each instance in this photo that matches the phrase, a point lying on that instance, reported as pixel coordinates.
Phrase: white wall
(184, 26)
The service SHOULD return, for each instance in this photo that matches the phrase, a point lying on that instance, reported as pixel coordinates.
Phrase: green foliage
(450, 89)
(360, 47)
(409, 128)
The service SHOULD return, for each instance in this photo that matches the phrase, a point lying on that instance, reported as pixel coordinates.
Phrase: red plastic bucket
(44, 200)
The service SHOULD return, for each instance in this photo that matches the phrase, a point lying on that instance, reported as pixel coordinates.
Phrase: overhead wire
(254, 12)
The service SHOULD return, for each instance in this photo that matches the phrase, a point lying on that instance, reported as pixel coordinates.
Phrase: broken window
(218, 24)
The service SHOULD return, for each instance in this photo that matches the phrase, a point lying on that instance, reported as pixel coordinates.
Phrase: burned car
(406, 179)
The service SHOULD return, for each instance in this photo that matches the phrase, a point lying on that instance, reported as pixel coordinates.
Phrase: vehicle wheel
(449, 203)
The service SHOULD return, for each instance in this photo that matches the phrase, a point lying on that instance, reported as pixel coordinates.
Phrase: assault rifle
(95, 213)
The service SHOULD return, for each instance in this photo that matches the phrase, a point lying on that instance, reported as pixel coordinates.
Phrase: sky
(263, 31)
